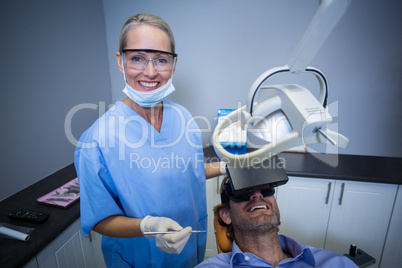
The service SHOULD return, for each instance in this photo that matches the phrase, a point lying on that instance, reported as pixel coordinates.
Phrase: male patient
(253, 222)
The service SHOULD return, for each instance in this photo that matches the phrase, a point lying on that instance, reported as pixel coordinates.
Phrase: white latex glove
(170, 243)
(222, 168)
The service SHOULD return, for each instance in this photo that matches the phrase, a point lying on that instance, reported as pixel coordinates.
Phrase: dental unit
(305, 117)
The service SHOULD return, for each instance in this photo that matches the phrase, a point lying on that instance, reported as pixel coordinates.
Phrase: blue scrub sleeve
(96, 190)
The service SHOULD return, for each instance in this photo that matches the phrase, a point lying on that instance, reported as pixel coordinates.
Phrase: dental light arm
(252, 95)
(324, 21)
(307, 116)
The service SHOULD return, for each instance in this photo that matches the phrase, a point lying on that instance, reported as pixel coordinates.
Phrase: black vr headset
(243, 181)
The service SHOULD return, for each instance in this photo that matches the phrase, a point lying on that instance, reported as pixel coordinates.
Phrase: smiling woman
(143, 158)
(147, 84)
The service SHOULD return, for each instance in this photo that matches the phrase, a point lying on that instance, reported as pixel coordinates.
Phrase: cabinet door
(392, 255)
(31, 264)
(213, 198)
(65, 251)
(304, 204)
(91, 245)
(360, 215)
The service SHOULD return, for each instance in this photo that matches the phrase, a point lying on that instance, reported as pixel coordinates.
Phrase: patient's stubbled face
(256, 216)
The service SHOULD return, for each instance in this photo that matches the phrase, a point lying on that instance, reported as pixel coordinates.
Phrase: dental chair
(224, 244)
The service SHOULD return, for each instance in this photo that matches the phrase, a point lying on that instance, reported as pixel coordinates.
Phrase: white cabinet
(91, 245)
(213, 198)
(31, 264)
(333, 214)
(71, 249)
(360, 214)
(64, 251)
(392, 255)
(304, 206)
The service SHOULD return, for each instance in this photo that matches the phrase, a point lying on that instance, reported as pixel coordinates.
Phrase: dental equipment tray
(62, 197)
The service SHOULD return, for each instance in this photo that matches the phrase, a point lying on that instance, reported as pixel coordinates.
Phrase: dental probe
(172, 232)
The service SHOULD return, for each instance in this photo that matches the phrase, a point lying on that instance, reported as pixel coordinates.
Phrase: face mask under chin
(149, 98)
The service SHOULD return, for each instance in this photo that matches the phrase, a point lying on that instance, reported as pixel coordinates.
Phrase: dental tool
(172, 232)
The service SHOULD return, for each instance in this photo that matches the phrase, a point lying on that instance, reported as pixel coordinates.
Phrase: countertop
(17, 253)
(375, 169)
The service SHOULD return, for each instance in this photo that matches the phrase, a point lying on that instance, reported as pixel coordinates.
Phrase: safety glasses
(137, 59)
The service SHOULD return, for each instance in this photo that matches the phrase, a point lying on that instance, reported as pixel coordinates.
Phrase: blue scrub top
(126, 167)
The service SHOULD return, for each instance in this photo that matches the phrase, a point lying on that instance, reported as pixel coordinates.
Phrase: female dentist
(141, 166)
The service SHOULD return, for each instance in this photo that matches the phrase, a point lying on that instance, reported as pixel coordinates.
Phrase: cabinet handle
(329, 190)
(341, 196)
(89, 235)
(218, 187)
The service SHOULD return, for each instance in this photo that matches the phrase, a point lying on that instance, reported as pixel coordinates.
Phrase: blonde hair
(147, 19)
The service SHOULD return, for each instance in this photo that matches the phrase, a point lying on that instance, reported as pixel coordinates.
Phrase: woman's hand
(170, 243)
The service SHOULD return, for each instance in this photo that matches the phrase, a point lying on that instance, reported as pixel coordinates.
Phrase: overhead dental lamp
(303, 117)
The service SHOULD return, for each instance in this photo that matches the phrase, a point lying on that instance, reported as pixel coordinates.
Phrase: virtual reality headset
(243, 181)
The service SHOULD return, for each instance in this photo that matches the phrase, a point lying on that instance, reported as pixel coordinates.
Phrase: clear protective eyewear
(138, 59)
